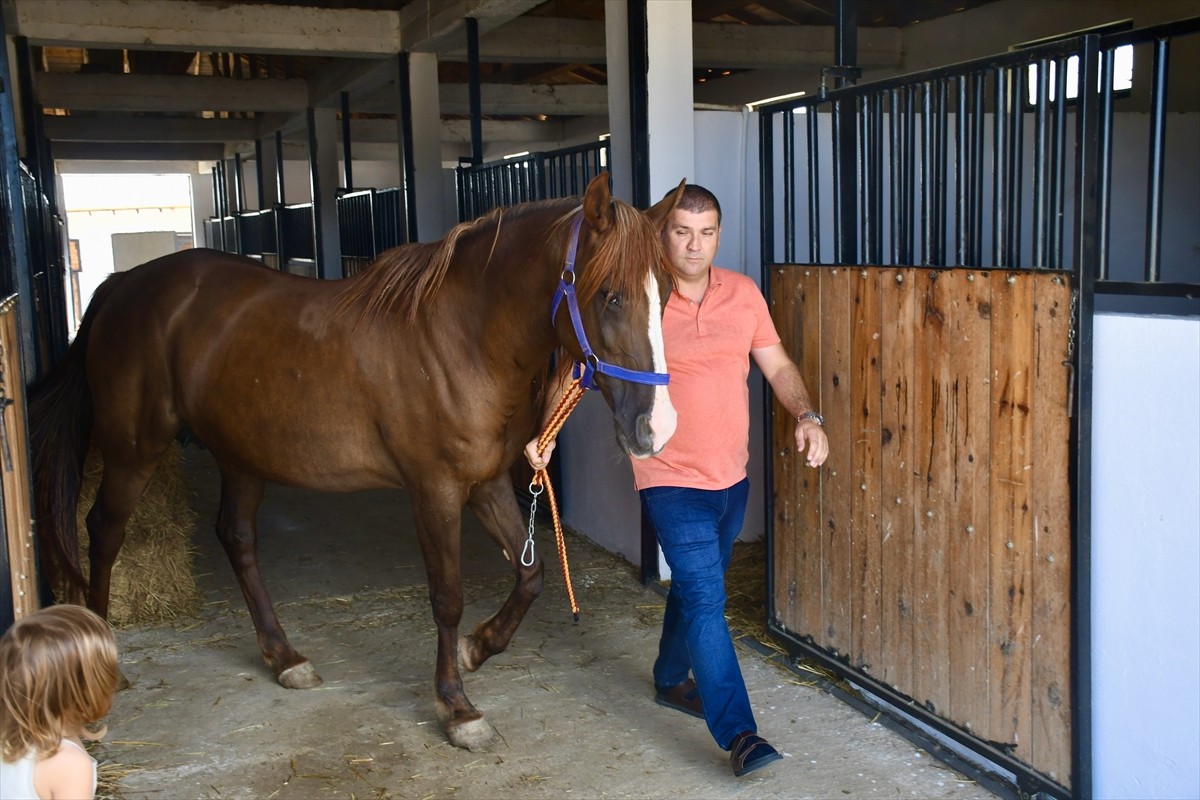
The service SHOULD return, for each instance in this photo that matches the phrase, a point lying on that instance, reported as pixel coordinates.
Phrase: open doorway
(116, 222)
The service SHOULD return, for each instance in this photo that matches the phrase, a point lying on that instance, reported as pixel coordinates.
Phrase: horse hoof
(301, 676)
(466, 656)
(475, 735)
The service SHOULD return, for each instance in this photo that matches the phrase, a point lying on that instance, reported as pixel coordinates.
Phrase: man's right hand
(536, 460)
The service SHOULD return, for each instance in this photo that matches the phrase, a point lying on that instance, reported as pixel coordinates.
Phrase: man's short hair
(697, 200)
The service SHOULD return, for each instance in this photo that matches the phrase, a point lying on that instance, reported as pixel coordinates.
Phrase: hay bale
(152, 580)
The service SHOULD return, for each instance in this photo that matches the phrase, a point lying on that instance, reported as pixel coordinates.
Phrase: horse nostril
(645, 433)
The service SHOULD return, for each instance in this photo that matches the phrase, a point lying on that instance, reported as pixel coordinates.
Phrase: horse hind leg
(237, 532)
(122, 483)
(438, 531)
(496, 508)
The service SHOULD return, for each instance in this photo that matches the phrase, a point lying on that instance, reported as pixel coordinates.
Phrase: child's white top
(16, 779)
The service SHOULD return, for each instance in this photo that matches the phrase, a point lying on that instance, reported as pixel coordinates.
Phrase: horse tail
(60, 432)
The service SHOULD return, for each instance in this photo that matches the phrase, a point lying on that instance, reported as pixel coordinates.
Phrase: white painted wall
(136, 248)
(1146, 557)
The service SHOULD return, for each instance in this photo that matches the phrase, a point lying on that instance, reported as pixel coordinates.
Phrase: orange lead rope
(541, 480)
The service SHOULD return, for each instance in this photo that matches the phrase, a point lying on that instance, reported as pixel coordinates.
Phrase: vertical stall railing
(356, 230)
(297, 243)
(536, 176)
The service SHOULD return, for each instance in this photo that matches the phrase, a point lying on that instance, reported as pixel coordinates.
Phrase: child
(58, 673)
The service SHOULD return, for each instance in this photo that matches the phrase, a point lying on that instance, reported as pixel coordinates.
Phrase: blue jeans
(696, 529)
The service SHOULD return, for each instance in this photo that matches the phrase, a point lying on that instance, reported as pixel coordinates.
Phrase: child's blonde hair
(58, 672)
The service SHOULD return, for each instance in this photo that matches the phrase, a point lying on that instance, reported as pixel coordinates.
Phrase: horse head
(621, 281)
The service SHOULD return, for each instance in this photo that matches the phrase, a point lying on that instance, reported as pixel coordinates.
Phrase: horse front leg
(496, 507)
(236, 529)
(438, 522)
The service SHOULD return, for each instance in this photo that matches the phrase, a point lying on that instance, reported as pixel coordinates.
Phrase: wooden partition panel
(14, 468)
(932, 551)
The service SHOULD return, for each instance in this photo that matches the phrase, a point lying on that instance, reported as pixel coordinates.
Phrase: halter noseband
(591, 363)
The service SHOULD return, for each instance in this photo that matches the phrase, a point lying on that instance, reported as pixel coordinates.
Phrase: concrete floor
(573, 703)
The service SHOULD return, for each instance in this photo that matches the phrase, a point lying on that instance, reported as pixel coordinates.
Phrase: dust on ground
(572, 702)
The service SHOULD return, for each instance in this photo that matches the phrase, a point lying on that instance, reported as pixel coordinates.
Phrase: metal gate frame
(885, 213)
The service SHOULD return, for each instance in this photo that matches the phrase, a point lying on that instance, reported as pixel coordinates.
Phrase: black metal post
(474, 90)
(239, 185)
(409, 178)
(259, 183)
(1086, 246)
(347, 168)
(639, 99)
(280, 199)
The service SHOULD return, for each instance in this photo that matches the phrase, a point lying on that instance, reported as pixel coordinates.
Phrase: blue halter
(591, 364)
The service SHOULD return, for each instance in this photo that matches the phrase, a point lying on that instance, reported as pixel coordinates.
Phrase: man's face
(691, 240)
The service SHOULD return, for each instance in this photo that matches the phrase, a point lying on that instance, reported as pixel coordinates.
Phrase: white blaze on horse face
(662, 417)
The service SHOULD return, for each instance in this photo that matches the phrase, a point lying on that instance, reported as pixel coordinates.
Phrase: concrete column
(669, 82)
(323, 172)
(616, 38)
(203, 206)
(599, 499)
(427, 148)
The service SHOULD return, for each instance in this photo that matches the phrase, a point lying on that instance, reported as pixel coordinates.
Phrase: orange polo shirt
(708, 356)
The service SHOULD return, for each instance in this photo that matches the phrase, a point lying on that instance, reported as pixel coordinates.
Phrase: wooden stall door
(14, 468)
(932, 551)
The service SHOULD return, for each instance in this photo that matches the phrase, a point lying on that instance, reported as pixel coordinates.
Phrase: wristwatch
(814, 416)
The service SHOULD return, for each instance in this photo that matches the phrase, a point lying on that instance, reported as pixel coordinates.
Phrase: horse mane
(404, 278)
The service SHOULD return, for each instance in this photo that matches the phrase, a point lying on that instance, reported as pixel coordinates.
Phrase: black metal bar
(896, 131)
(639, 93)
(766, 188)
(259, 184)
(1086, 246)
(863, 195)
(940, 150)
(409, 182)
(962, 158)
(474, 91)
(813, 127)
(927, 174)
(979, 128)
(1104, 174)
(318, 192)
(789, 186)
(876, 179)
(999, 150)
(1058, 163)
(15, 273)
(1154, 178)
(845, 37)
(1016, 165)
(909, 187)
(280, 197)
(847, 167)
(239, 185)
(1065, 47)
(1041, 183)
(347, 159)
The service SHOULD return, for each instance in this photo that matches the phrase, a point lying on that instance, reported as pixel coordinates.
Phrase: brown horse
(423, 372)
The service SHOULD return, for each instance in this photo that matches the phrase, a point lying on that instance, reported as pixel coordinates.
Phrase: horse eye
(612, 299)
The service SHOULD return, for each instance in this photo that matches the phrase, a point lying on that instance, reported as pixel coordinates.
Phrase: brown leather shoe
(749, 752)
(683, 697)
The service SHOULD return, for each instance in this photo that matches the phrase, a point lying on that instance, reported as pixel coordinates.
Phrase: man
(694, 492)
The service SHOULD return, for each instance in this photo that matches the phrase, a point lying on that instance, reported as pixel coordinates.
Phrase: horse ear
(661, 211)
(597, 204)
